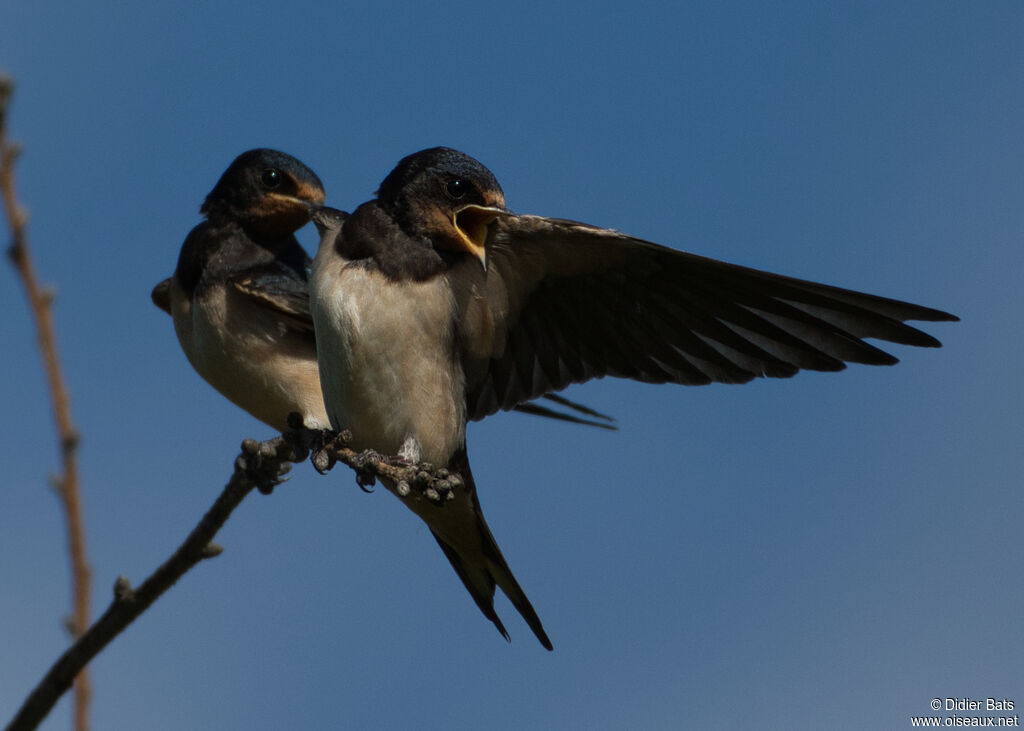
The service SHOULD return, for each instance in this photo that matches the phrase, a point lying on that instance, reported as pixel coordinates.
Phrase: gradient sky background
(831, 551)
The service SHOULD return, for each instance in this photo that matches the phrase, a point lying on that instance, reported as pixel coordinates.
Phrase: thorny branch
(67, 483)
(261, 465)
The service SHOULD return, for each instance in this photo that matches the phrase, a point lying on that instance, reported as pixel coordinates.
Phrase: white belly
(249, 359)
(387, 373)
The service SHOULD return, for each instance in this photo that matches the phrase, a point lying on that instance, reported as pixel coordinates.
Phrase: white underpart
(387, 374)
(247, 358)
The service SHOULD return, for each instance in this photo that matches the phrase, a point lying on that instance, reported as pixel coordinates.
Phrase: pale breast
(243, 351)
(387, 360)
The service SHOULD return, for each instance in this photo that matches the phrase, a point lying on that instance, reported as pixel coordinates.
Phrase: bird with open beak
(435, 305)
(239, 297)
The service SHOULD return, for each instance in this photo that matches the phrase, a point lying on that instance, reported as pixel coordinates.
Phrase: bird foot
(261, 465)
(361, 463)
(364, 461)
(437, 487)
(324, 443)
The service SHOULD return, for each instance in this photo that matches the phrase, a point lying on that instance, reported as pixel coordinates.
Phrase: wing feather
(569, 302)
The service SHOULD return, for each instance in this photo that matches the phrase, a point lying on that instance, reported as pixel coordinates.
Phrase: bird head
(446, 197)
(269, 192)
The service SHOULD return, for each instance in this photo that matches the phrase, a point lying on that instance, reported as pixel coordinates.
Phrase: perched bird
(434, 305)
(240, 295)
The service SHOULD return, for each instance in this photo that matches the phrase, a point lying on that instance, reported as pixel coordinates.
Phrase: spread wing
(568, 302)
(277, 289)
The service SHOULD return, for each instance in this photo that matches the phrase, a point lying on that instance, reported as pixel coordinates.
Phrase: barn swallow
(240, 295)
(434, 305)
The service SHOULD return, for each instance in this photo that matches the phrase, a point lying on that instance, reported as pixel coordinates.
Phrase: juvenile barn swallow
(434, 305)
(240, 295)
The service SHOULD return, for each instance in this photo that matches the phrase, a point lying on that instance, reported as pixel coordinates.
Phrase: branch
(67, 483)
(401, 476)
(261, 465)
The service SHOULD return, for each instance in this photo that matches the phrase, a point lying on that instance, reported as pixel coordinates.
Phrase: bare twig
(261, 465)
(67, 483)
(408, 481)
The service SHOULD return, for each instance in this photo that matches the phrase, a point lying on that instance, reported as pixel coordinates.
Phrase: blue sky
(831, 551)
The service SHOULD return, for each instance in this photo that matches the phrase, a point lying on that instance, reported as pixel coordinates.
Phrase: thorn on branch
(212, 549)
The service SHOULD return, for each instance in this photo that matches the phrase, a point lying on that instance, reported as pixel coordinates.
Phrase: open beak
(471, 223)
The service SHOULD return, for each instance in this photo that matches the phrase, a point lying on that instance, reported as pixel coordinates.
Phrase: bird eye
(456, 188)
(271, 177)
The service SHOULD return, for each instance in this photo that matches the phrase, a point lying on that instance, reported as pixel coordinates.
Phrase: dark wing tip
(908, 335)
(537, 410)
(870, 355)
(926, 341)
(927, 314)
(576, 406)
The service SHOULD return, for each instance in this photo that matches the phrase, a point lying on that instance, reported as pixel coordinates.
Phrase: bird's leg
(361, 462)
(424, 482)
(408, 456)
(437, 486)
(322, 444)
(309, 442)
(262, 463)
